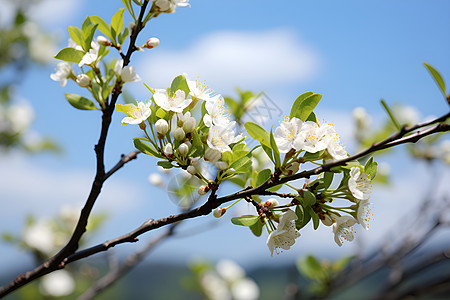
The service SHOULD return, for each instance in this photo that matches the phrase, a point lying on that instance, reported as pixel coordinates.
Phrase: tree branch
(57, 261)
(214, 201)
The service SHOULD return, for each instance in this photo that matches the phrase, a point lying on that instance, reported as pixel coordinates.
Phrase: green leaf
(437, 78)
(391, 115)
(257, 228)
(145, 147)
(241, 162)
(7, 237)
(102, 26)
(138, 2)
(161, 113)
(310, 267)
(263, 176)
(275, 188)
(276, 152)
(313, 156)
(304, 105)
(165, 164)
(312, 117)
(303, 217)
(76, 34)
(117, 23)
(314, 216)
(258, 133)
(308, 198)
(123, 36)
(180, 83)
(129, 7)
(327, 179)
(246, 220)
(340, 264)
(70, 54)
(80, 102)
(371, 168)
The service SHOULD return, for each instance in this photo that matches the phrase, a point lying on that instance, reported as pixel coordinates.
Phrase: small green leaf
(310, 267)
(304, 105)
(313, 156)
(7, 237)
(275, 188)
(243, 161)
(80, 102)
(437, 78)
(263, 176)
(180, 83)
(340, 264)
(165, 164)
(276, 152)
(102, 26)
(246, 220)
(314, 216)
(391, 115)
(257, 228)
(123, 36)
(129, 7)
(145, 147)
(327, 179)
(258, 133)
(197, 145)
(312, 117)
(308, 198)
(303, 217)
(117, 23)
(70, 54)
(371, 168)
(76, 34)
(161, 113)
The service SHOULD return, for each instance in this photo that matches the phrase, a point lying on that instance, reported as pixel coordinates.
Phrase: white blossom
(334, 148)
(57, 284)
(102, 40)
(20, 116)
(212, 155)
(220, 137)
(91, 56)
(170, 6)
(359, 184)
(343, 229)
(230, 271)
(156, 179)
(285, 234)
(312, 138)
(286, 134)
(137, 113)
(179, 134)
(176, 102)
(40, 236)
(245, 289)
(364, 213)
(168, 149)
(63, 72)
(216, 114)
(200, 90)
(127, 73)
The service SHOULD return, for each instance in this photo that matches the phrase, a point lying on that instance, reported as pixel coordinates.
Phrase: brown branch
(214, 201)
(57, 261)
(123, 160)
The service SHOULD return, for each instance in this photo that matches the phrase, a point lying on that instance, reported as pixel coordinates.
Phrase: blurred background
(351, 52)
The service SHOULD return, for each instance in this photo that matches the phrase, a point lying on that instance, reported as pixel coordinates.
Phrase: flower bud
(219, 211)
(168, 150)
(161, 127)
(293, 168)
(183, 149)
(132, 25)
(189, 125)
(179, 134)
(212, 155)
(83, 80)
(151, 43)
(271, 202)
(103, 41)
(221, 165)
(191, 170)
(189, 144)
(202, 190)
(327, 221)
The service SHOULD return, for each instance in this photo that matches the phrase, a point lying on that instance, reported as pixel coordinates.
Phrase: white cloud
(28, 187)
(227, 59)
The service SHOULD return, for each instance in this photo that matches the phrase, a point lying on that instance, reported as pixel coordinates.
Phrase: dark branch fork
(57, 261)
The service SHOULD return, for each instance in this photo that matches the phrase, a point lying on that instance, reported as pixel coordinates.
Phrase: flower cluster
(185, 126)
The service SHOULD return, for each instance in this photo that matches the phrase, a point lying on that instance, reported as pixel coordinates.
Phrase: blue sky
(352, 52)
